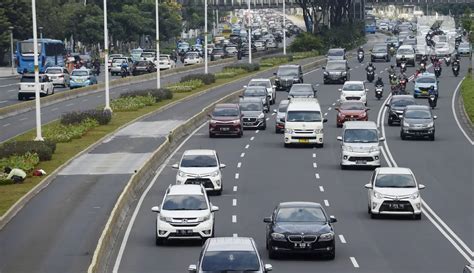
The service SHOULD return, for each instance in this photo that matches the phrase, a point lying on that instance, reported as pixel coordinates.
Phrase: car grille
(302, 238)
(206, 182)
(184, 222)
(303, 137)
(360, 158)
(250, 119)
(286, 83)
(187, 234)
(418, 132)
(352, 98)
(396, 206)
(304, 131)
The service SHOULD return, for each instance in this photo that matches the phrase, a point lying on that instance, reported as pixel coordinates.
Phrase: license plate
(361, 162)
(303, 141)
(301, 245)
(184, 231)
(224, 129)
(248, 123)
(396, 206)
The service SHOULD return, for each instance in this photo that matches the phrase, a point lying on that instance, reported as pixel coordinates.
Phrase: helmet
(370, 64)
(403, 56)
(380, 78)
(392, 66)
(361, 48)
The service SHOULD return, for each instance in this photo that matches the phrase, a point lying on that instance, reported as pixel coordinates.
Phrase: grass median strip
(467, 91)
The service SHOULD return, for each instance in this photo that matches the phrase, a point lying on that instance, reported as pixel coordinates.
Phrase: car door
(370, 191)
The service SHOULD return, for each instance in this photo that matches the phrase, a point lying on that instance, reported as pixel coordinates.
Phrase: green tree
(4, 34)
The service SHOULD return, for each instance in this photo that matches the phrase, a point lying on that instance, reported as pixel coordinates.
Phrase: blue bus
(370, 24)
(50, 53)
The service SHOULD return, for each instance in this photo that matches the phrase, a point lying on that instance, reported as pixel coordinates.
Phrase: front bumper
(395, 207)
(224, 129)
(354, 98)
(210, 183)
(341, 119)
(418, 132)
(253, 122)
(284, 85)
(296, 138)
(74, 84)
(335, 78)
(59, 81)
(169, 231)
(314, 247)
(380, 57)
(349, 158)
(395, 117)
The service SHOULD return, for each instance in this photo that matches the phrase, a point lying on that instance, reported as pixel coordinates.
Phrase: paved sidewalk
(6, 72)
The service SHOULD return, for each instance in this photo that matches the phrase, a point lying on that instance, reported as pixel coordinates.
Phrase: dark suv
(226, 119)
(287, 75)
(253, 112)
(336, 71)
(397, 106)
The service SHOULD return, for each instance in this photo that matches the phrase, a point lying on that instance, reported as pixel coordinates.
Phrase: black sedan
(397, 106)
(300, 227)
(143, 67)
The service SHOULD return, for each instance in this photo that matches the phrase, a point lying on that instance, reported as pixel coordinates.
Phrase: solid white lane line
(257, 131)
(326, 203)
(12, 84)
(235, 235)
(234, 202)
(386, 68)
(6, 125)
(342, 239)
(235, 188)
(54, 109)
(234, 218)
(237, 176)
(70, 104)
(317, 176)
(354, 262)
(314, 155)
(239, 164)
(321, 188)
(330, 108)
(3, 101)
(252, 138)
(317, 84)
(142, 198)
(247, 146)
(11, 90)
(456, 116)
(242, 154)
(100, 96)
(315, 165)
(22, 119)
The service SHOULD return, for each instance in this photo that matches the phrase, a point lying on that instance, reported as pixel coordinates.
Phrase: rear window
(80, 73)
(54, 71)
(230, 261)
(335, 53)
(27, 79)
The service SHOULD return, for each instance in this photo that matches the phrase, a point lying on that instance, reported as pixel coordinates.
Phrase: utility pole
(39, 136)
(205, 38)
(250, 33)
(11, 49)
(157, 38)
(284, 28)
(106, 60)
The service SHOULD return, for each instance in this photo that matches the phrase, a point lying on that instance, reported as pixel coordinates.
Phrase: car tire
(369, 211)
(264, 127)
(390, 122)
(211, 135)
(286, 145)
(338, 125)
(272, 254)
(432, 137)
(373, 215)
(219, 191)
(21, 97)
(320, 145)
(332, 254)
(52, 92)
(159, 241)
(417, 216)
(343, 167)
(403, 136)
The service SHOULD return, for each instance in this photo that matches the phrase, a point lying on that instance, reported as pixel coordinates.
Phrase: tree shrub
(64, 133)
(158, 94)
(44, 149)
(186, 86)
(306, 42)
(205, 78)
(245, 66)
(26, 162)
(101, 116)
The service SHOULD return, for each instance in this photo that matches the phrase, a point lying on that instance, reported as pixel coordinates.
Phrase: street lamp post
(250, 33)
(205, 37)
(106, 60)
(284, 28)
(11, 49)
(41, 33)
(39, 137)
(158, 79)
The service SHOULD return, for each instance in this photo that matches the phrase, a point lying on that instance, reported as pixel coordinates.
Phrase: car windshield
(395, 181)
(301, 88)
(405, 51)
(301, 93)
(148, 54)
(441, 45)
(164, 58)
(417, 114)
(287, 71)
(119, 60)
(303, 116)
(136, 51)
(192, 55)
(230, 261)
(265, 84)
(198, 161)
(225, 112)
(361, 136)
(217, 51)
(255, 92)
(141, 63)
(300, 214)
(426, 80)
(251, 106)
(231, 49)
(54, 71)
(463, 46)
(402, 102)
(335, 66)
(380, 49)
(352, 106)
(81, 73)
(353, 87)
(335, 53)
(185, 202)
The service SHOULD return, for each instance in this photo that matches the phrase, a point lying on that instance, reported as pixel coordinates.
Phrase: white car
(442, 49)
(148, 56)
(409, 52)
(58, 75)
(166, 62)
(271, 89)
(27, 89)
(192, 58)
(353, 90)
(200, 167)
(394, 191)
(112, 56)
(185, 213)
(116, 67)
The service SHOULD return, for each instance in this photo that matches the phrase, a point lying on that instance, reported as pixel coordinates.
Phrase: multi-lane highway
(261, 173)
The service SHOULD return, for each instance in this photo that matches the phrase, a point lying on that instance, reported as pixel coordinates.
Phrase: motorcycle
(378, 92)
(403, 67)
(370, 75)
(360, 56)
(447, 61)
(403, 85)
(392, 51)
(432, 100)
(437, 71)
(455, 68)
(124, 72)
(422, 68)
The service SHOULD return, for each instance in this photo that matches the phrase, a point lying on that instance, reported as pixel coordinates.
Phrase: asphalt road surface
(261, 173)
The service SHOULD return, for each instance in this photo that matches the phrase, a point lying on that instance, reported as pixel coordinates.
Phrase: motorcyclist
(432, 91)
(379, 82)
(361, 49)
(391, 70)
(403, 59)
(369, 67)
(96, 65)
(124, 68)
(424, 59)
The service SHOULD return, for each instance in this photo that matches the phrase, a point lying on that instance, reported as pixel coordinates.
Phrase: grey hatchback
(336, 71)
(418, 121)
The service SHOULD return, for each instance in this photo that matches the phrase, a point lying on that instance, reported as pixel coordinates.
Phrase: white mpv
(353, 90)
(394, 191)
(185, 213)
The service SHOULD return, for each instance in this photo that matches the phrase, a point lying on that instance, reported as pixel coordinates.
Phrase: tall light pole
(106, 60)
(11, 49)
(39, 137)
(41, 33)
(205, 37)
(157, 38)
(284, 28)
(250, 33)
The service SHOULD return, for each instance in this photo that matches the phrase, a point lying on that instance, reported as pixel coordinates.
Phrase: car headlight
(181, 174)
(374, 149)
(296, 80)
(215, 174)
(318, 131)
(166, 219)
(415, 195)
(289, 131)
(203, 219)
(278, 236)
(326, 236)
(344, 72)
(406, 124)
(363, 114)
(378, 195)
(326, 73)
(261, 116)
(347, 148)
(429, 125)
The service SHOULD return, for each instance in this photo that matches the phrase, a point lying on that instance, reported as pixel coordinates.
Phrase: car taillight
(61, 76)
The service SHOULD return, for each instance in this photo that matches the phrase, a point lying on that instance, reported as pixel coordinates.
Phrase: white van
(304, 122)
(360, 144)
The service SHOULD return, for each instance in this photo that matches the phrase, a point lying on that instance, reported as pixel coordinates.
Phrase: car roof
(259, 80)
(304, 104)
(230, 244)
(200, 152)
(227, 105)
(406, 46)
(55, 67)
(417, 107)
(185, 189)
(337, 61)
(426, 75)
(360, 125)
(81, 69)
(393, 170)
(250, 99)
(298, 204)
(289, 66)
(399, 97)
(303, 84)
(354, 82)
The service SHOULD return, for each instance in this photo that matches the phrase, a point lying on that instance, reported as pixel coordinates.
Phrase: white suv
(394, 191)
(200, 167)
(185, 213)
(271, 89)
(353, 90)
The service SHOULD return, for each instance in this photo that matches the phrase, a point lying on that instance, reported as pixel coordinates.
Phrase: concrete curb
(463, 113)
(144, 175)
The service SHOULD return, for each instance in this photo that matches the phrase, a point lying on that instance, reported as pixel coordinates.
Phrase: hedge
(64, 133)
(205, 78)
(125, 104)
(103, 117)
(44, 149)
(158, 94)
(26, 162)
(245, 66)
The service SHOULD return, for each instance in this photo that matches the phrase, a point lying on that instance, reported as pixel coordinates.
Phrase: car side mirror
(382, 139)
(275, 111)
(435, 117)
(214, 208)
(268, 267)
(175, 166)
(267, 219)
(155, 209)
(192, 268)
(222, 166)
(339, 138)
(368, 186)
(332, 219)
(421, 186)
(388, 105)
(325, 120)
(324, 68)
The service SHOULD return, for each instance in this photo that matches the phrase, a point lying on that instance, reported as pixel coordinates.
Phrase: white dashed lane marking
(325, 114)
(315, 165)
(321, 188)
(354, 262)
(342, 239)
(54, 109)
(242, 154)
(235, 188)
(247, 146)
(326, 203)
(268, 118)
(273, 114)
(234, 202)
(317, 176)
(3, 101)
(330, 108)
(11, 90)
(234, 218)
(70, 104)
(239, 164)
(6, 125)
(237, 176)
(23, 119)
(314, 155)
(334, 104)
(257, 131)
(252, 138)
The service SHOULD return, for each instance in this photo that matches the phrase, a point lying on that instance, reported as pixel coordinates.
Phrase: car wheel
(211, 135)
(417, 216)
(159, 241)
(264, 127)
(343, 167)
(20, 97)
(432, 137)
(390, 122)
(286, 145)
(339, 125)
(272, 254)
(52, 93)
(402, 136)
(219, 191)
(368, 209)
(332, 254)
(241, 134)
(373, 215)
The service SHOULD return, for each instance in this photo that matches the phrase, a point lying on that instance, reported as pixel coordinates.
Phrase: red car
(351, 110)
(226, 119)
